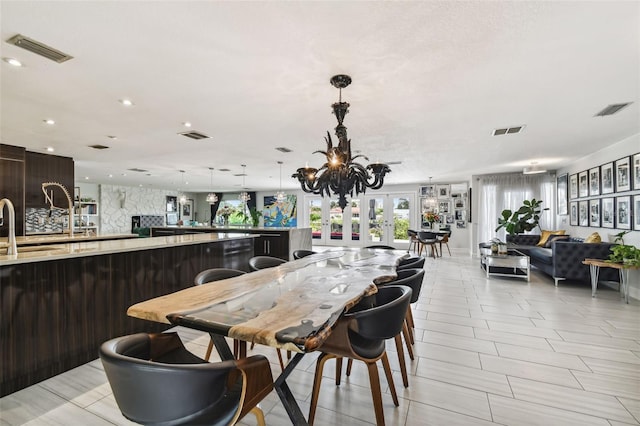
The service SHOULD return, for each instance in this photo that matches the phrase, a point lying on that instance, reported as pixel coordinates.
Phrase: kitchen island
(60, 302)
(276, 242)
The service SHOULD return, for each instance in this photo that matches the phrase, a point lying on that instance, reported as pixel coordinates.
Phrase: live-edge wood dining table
(292, 306)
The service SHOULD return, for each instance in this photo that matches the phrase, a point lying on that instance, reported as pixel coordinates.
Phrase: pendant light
(280, 195)
(212, 198)
(244, 195)
(182, 197)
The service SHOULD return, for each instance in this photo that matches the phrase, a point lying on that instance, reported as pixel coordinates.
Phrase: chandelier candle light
(212, 198)
(280, 195)
(341, 174)
(244, 195)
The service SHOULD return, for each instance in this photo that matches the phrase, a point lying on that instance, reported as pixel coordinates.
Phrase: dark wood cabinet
(12, 169)
(272, 244)
(41, 168)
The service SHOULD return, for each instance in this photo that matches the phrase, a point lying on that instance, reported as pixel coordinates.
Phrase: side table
(596, 264)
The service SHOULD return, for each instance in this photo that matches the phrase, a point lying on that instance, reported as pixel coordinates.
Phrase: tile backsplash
(40, 220)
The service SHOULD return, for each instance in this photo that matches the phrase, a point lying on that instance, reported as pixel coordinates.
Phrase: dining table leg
(286, 396)
(222, 347)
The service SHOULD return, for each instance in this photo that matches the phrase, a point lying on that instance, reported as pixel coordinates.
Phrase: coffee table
(513, 264)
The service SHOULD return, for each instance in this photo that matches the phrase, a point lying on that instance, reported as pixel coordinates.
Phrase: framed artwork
(563, 201)
(461, 224)
(428, 205)
(583, 213)
(461, 215)
(607, 213)
(594, 181)
(443, 191)
(573, 216)
(447, 219)
(428, 191)
(623, 212)
(444, 207)
(594, 213)
(623, 175)
(606, 175)
(458, 203)
(636, 212)
(573, 187)
(187, 211)
(636, 171)
(583, 184)
(172, 202)
(280, 214)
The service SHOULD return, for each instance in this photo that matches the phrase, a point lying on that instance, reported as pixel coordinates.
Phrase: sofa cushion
(593, 238)
(541, 254)
(553, 238)
(545, 236)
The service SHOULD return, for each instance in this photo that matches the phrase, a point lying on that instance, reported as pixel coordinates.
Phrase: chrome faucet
(49, 200)
(13, 248)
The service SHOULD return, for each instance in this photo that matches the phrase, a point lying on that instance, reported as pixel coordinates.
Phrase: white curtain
(508, 191)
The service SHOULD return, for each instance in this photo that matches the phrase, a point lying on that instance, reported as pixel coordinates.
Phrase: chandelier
(212, 198)
(280, 195)
(182, 197)
(244, 195)
(341, 174)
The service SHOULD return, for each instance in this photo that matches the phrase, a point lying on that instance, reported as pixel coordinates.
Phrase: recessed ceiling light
(187, 124)
(126, 102)
(50, 149)
(49, 121)
(86, 178)
(110, 175)
(12, 61)
(112, 137)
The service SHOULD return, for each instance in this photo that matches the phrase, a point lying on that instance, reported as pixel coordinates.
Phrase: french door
(373, 219)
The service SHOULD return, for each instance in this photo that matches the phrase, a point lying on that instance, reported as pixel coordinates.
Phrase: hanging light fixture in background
(244, 195)
(431, 200)
(212, 198)
(341, 174)
(182, 197)
(280, 195)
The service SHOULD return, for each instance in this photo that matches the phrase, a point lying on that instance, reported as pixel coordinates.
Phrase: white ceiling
(431, 80)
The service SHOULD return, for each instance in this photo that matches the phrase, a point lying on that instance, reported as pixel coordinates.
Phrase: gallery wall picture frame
(428, 191)
(443, 191)
(458, 203)
(594, 212)
(583, 184)
(607, 213)
(187, 213)
(636, 212)
(461, 224)
(573, 213)
(623, 174)
(623, 212)
(573, 186)
(606, 178)
(172, 202)
(583, 213)
(594, 181)
(561, 190)
(635, 162)
(444, 207)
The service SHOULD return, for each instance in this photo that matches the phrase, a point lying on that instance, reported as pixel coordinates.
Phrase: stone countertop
(34, 239)
(29, 254)
(238, 228)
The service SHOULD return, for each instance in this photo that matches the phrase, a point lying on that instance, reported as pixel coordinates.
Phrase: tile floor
(488, 351)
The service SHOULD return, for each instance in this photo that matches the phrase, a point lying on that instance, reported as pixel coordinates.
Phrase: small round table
(596, 264)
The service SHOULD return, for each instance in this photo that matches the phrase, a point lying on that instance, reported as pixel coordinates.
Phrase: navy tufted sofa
(563, 261)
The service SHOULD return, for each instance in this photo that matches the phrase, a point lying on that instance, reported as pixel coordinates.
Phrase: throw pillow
(545, 236)
(553, 238)
(593, 238)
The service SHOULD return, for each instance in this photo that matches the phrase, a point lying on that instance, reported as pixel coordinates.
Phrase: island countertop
(98, 247)
(34, 239)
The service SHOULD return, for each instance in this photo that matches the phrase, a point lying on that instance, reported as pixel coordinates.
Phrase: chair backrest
(384, 320)
(412, 263)
(412, 278)
(299, 254)
(379, 246)
(262, 262)
(427, 235)
(411, 233)
(151, 392)
(216, 274)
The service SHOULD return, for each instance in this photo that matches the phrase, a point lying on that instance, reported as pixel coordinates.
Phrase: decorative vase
(494, 248)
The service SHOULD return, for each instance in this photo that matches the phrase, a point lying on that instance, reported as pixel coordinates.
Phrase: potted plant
(624, 253)
(524, 219)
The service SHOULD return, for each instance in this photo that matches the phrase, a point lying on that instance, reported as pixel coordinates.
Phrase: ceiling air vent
(98, 147)
(283, 149)
(224, 170)
(194, 135)
(39, 48)
(612, 109)
(508, 130)
(135, 169)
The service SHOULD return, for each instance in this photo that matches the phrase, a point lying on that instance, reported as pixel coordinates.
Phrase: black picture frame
(573, 216)
(607, 212)
(623, 175)
(636, 212)
(583, 184)
(607, 178)
(172, 203)
(594, 181)
(561, 191)
(583, 213)
(635, 166)
(594, 212)
(573, 186)
(623, 212)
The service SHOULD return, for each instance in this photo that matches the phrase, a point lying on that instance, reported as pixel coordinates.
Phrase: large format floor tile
(487, 351)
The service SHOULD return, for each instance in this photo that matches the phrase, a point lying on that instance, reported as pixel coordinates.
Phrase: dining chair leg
(257, 411)
(387, 372)
(376, 394)
(209, 349)
(317, 381)
(338, 370)
(405, 333)
(349, 364)
(242, 349)
(410, 317)
(409, 332)
(280, 359)
(447, 244)
(401, 361)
